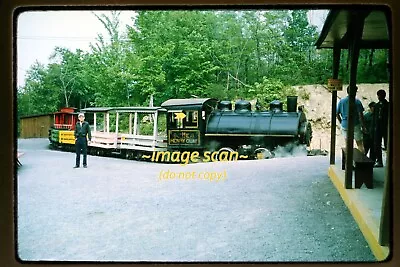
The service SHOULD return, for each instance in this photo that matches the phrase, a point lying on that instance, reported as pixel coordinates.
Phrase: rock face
(317, 101)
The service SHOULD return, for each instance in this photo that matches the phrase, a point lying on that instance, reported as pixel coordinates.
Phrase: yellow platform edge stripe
(368, 226)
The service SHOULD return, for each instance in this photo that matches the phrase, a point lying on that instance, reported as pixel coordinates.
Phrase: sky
(39, 32)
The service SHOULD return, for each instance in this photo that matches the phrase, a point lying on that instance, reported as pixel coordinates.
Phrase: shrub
(269, 90)
(303, 93)
(217, 91)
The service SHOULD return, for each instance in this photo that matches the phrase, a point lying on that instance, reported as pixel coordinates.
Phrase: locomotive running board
(272, 135)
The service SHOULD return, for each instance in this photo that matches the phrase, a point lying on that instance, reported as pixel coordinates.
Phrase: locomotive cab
(186, 121)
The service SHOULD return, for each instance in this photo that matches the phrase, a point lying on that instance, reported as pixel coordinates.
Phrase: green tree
(111, 67)
(38, 96)
(175, 59)
(269, 90)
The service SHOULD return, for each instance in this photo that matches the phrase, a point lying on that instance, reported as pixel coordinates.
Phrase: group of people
(370, 126)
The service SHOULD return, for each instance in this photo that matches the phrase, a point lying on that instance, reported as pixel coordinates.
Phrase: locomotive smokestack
(291, 103)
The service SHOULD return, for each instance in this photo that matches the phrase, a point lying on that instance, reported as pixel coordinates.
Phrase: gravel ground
(276, 210)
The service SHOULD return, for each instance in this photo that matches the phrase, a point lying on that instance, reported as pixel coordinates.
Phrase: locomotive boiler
(258, 132)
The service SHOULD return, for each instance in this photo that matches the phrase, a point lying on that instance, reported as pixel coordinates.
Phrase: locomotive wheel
(138, 156)
(131, 155)
(228, 149)
(224, 149)
(263, 153)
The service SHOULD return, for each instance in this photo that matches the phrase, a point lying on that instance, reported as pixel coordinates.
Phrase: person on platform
(381, 120)
(82, 134)
(368, 138)
(342, 112)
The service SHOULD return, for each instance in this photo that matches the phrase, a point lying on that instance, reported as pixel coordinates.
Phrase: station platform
(364, 204)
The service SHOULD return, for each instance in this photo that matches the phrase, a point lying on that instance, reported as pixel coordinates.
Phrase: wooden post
(108, 122)
(116, 123)
(116, 129)
(135, 125)
(384, 228)
(94, 121)
(155, 130)
(354, 29)
(386, 218)
(104, 123)
(335, 70)
(130, 123)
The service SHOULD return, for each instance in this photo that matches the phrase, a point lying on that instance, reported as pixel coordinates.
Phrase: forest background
(248, 54)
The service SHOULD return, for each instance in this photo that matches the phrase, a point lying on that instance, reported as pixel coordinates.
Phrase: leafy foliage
(269, 90)
(181, 54)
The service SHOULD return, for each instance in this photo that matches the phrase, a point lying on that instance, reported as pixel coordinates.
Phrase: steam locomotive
(197, 124)
(216, 125)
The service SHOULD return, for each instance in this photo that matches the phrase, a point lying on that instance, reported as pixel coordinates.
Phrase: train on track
(196, 124)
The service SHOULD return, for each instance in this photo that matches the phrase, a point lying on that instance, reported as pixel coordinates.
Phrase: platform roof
(375, 32)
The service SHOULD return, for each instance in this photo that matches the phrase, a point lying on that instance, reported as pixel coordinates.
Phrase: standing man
(368, 137)
(342, 112)
(381, 118)
(82, 129)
